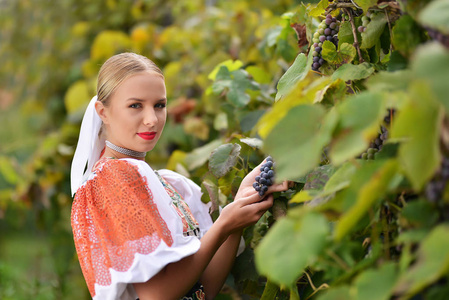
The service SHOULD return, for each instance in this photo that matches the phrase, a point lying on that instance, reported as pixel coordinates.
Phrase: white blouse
(129, 222)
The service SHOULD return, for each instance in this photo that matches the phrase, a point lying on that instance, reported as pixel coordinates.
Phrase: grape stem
(354, 33)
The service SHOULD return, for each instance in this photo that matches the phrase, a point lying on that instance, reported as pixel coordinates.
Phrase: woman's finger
(280, 187)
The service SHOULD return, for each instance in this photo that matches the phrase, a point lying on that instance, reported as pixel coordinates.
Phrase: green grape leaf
(436, 15)
(270, 291)
(336, 293)
(420, 213)
(223, 80)
(371, 36)
(376, 284)
(317, 178)
(432, 262)
(259, 74)
(396, 62)
(431, 64)
(389, 81)
(297, 71)
(299, 137)
(340, 179)
(200, 155)
(345, 34)
(418, 126)
(240, 84)
(344, 55)
(353, 72)
(319, 9)
(407, 35)
(307, 239)
(360, 116)
(368, 185)
(223, 159)
(306, 91)
(272, 35)
(365, 4)
(252, 142)
(230, 65)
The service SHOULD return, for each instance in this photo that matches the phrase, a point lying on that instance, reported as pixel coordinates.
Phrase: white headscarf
(89, 147)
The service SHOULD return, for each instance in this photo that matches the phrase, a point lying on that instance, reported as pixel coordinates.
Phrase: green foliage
(240, 87)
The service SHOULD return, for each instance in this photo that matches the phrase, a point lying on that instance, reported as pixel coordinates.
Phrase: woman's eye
(161, 105)
(135, 105)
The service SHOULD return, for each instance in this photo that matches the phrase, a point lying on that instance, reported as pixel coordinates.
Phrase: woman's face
(136, 114)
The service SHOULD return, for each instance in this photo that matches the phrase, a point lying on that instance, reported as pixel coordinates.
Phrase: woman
(141, 233)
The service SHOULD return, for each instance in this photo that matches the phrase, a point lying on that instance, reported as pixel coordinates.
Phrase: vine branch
(354, 33)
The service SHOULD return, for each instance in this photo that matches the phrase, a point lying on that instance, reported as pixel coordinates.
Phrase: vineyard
(349, 98)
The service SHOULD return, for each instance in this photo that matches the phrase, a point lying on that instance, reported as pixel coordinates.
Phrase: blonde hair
(118, 68)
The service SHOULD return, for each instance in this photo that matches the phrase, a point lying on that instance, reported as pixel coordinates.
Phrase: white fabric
(191, 193)
(146, 266)
(89, 147)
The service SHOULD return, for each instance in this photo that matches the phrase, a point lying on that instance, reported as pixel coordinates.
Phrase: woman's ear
(101, 111)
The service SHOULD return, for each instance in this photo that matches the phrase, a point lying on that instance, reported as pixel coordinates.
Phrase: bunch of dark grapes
(438, 36)
(327, 31)
(377, 144)
(266, 177)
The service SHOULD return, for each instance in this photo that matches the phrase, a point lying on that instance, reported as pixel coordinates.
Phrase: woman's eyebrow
(142, 100)
(135, 99)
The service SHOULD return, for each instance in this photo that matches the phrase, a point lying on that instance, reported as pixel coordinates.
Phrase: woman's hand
(246, 187)
(248, 206)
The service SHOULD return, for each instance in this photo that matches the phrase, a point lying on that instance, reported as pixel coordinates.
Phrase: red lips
(147, 135)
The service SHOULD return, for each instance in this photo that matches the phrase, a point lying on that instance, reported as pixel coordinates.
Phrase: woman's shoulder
(119, 166)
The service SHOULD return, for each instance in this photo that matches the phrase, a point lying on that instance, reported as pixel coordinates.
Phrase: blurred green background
(50, 53)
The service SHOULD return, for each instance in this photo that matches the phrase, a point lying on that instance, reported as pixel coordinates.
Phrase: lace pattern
(113, 218)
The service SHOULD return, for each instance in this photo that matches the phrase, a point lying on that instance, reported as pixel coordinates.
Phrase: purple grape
(328, 20)
(333, 25)
(265, 179)
(361, 28)
(334, 32)
(318, 49)
(322, 38)
(315, 45)
(316, 59)
(329, 38)
(316, 65)
(321, 61)
(327, 31)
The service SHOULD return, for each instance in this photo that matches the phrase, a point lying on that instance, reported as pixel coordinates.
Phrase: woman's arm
(177, 278)
(218, 269)
(218, 248)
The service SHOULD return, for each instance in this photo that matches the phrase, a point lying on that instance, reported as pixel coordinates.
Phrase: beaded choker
(127, 152)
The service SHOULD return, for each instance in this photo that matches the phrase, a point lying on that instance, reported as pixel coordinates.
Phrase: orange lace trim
(113, 218)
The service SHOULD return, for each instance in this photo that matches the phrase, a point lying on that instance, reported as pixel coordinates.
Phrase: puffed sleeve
(125, 229)
(191, 193)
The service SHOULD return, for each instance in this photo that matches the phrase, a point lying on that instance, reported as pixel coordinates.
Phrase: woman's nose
(150, 118)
